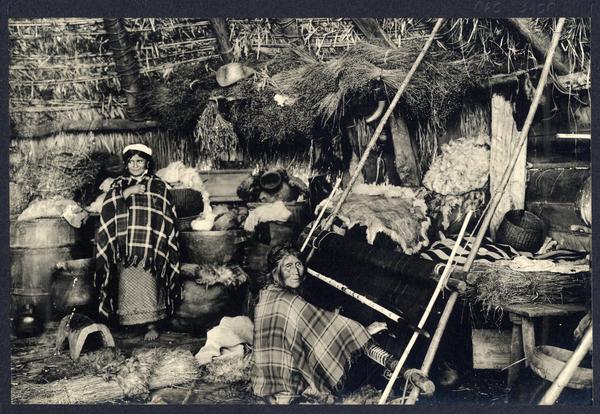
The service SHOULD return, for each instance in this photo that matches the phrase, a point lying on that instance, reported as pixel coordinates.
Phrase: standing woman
(137, 259)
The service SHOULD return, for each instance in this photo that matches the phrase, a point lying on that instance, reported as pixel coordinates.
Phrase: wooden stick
(522, 139)
(438, 289)
(569, 369)
(364, 300)
(382, 123)
(432, 350)
(321, 213)
(433, 346)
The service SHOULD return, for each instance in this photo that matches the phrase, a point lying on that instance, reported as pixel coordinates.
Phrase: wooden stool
(76, 329)
(523, 333)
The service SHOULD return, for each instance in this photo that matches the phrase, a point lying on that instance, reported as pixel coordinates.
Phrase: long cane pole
(440, 285)
(432, 350)
(378, 130)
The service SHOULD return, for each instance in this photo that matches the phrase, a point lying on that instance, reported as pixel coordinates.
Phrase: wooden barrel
(36, 247)
(216, 247)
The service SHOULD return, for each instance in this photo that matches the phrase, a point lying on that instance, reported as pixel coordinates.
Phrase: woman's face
(136, 166)
(292, 271)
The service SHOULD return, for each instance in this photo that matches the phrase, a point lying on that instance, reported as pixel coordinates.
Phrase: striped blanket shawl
(299, 346)
(140, 229)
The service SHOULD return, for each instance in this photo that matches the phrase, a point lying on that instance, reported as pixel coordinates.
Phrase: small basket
(188, 202)
(522, 230)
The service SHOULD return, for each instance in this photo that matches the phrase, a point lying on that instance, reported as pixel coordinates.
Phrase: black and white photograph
(300, 211)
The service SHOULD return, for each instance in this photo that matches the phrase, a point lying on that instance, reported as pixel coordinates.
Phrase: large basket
(522, 230)
(188, 202)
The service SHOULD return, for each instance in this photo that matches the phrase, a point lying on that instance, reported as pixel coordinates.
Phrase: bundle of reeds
(134, 377)
(223, 370)
(215, 135)
(498, 285)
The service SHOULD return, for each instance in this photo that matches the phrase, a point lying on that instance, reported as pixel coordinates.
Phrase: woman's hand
(376, 327)
(134, 189)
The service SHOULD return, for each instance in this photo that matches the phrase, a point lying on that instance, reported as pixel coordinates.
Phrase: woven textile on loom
(489, 252)
(401, 283)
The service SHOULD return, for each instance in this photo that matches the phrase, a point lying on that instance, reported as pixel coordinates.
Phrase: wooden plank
(555, 184)
(372, 30)
(404, 151)
(95, 125)
(219, 26)
(504, 135)
(491, 348)
(534, 310)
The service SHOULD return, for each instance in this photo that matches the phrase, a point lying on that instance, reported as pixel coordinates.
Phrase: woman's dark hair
(129, 154)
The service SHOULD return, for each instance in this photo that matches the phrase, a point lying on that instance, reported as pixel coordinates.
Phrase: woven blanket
(140, 229)
(299, 346)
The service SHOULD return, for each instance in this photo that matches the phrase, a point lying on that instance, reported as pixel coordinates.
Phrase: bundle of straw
(215, 134)
(146, 370)
(498, 285)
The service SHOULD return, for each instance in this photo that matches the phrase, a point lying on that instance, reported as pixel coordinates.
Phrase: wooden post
(126, 65)
(540, 43)
(504, 134)
(219, 26)
(404, 151)
(289, 29)
(539, 90)
(567, 372)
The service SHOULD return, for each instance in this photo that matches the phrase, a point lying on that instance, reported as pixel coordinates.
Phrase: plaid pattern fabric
(299, 346)
(140, 229)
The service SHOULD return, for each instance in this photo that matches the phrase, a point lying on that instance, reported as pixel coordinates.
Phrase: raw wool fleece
(398, 212)
(463, 166)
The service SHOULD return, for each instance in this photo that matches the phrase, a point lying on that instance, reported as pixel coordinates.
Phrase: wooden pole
(540, 43)
(382, 123)
(321, 213)
(496, 197)
(372, 30)
(436, 292)
(219, 26)
(95, 125)
(433, 346)
(364, 300)
(569, 369)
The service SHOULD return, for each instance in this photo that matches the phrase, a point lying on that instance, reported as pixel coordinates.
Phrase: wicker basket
(522, 230)
(187, 202)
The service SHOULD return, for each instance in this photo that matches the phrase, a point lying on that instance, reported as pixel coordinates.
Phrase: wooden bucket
(547, 361)
(73, 285)
(36, 247)
(215, 247)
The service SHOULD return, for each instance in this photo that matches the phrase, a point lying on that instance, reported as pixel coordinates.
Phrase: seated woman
(298, 346)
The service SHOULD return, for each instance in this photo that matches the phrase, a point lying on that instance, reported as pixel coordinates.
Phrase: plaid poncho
(299, 346)
(140, 229)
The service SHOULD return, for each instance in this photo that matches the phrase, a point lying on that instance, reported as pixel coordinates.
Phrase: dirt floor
(34, 361)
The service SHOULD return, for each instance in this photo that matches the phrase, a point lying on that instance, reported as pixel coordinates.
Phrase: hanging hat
(232, 72)
(138, 147)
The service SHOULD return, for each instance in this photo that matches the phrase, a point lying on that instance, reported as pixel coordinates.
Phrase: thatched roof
(62, 69)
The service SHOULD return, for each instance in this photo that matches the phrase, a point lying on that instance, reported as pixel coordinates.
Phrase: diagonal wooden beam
(371, 28)
(540, 43)
(219, 26)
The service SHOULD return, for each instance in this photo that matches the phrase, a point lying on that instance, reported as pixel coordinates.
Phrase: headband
(138, 147)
